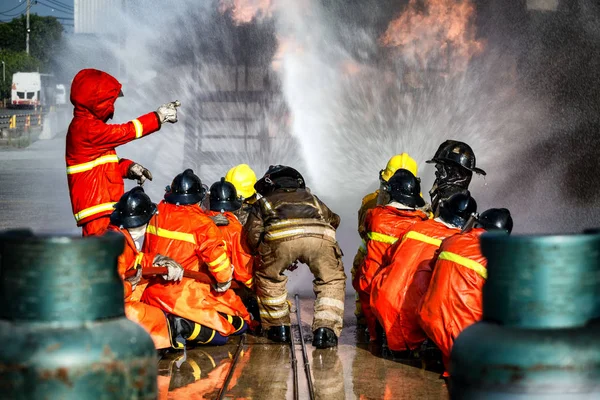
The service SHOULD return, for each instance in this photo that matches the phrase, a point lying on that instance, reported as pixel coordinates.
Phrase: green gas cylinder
(540, 333)
(63, 331)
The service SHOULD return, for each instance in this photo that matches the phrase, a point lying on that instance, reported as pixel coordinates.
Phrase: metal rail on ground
(294, 360)
(311, 389)
(240, 347)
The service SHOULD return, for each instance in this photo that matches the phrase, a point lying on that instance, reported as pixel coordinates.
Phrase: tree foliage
(45, 39)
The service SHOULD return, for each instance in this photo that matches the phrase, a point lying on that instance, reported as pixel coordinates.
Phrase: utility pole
(27, 37)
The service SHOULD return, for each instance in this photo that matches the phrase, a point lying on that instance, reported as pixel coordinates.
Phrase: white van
(26, 89)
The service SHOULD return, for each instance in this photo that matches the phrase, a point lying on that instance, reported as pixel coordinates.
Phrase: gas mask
(137, 234)
(449, 179)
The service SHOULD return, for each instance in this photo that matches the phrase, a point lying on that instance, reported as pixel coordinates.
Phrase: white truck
(32, 89)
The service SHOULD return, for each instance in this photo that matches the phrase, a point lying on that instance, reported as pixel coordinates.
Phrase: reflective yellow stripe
(273, 300)
(138, 260)
(185, 237)
(139, 129)
(88, 212)
(229, 319)
(211, 337)
(226, 264)
(249, 282)
(74, 169)
(380, 237)
(423, 238)
(465, 262)
(218, 260)
(195, 332)
(274, 314)
(196, 371)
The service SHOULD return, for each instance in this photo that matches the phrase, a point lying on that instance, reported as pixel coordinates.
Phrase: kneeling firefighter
(370, 201)
(290, 224)
(202, 310)
(130, 218)
(455, 163)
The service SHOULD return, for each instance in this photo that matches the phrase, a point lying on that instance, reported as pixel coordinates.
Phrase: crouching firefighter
(286, 225)
(130, 217)
(203, 309)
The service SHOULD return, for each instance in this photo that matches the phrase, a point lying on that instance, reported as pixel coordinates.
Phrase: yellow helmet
(243, 178)
(399, 161)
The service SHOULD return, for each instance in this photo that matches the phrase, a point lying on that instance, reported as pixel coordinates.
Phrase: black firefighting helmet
(279, 177)
(133, 209)
(405, 188)
(186, 188)
(457, 153)
(223, 196)
(495, 219)
(457, 209)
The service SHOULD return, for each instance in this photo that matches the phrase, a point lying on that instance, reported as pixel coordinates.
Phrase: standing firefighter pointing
(94, 172)
(286, 225)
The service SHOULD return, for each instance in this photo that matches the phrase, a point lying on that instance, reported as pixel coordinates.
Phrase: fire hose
(196, 275)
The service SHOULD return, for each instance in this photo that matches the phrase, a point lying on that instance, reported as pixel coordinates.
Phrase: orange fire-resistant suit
(384, 226)
(391, 282)
(152, 319)
(189, 236)
(237, 250)
(453, 300)
(94, 172)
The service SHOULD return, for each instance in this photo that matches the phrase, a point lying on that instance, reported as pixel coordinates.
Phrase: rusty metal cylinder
(540, 333)
(63, 331)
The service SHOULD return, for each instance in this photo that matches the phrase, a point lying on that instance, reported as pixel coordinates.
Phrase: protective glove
(135, 279)
(293, 266)
(136, 171)
(222, 287)
(220, 220)
(174, 269)
(168, 112)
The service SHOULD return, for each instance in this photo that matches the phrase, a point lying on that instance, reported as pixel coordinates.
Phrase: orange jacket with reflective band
(239, 254)
(454, 300)
(384, 225)
(152, 319)
(189, 236)
(94, 172)
(391, 282)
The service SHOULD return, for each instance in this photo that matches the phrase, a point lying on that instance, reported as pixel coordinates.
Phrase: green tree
(45, 39)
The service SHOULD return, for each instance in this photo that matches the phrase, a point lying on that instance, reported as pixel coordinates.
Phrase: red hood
(95, 91)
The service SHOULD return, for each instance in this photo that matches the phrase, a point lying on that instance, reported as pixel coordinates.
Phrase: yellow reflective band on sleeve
(211, 337)
(224, 265)
(380, 237)
(218, 261)
(465, 262)
(138, 260)
(139, 129)
(195, 332)
(273, 300)
(249, 282)
(184, 237)
(75, 169)
(196, 371)
(88, 212)
(423, 238)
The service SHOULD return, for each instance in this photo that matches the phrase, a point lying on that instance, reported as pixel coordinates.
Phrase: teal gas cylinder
(63, 331)
(540, 334)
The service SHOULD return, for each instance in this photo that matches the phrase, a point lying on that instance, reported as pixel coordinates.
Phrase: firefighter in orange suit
(130, 217)
(391, 283)
(454, 300)
(199, 312)
(399, 161)
(94, 172)
(385, 224)
(224, 201)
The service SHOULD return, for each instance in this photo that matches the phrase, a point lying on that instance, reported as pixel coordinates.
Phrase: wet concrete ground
(264, 370)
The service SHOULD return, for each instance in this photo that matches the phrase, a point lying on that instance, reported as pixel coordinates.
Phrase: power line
(58, 3)
(15, 7)
(14, 15)
(53, 7)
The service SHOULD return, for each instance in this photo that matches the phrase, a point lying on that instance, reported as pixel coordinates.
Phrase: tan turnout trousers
(324, 258)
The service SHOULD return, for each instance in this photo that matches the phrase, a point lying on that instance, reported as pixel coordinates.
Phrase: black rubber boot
(279, 334)
(324, 338)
